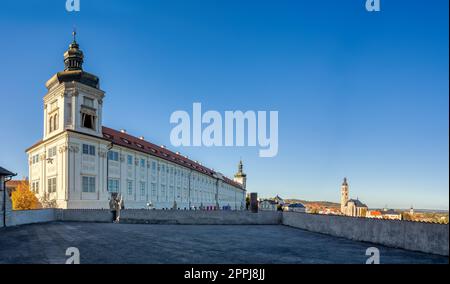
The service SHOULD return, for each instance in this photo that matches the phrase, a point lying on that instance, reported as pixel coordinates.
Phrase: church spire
(73, 57)
(240, 169)
(240, 176)
(345, 182)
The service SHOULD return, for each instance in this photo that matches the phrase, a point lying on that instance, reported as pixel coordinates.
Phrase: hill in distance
(327, 204)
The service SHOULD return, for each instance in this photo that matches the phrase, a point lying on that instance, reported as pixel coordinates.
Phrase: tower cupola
(240, 176)
(73, 57)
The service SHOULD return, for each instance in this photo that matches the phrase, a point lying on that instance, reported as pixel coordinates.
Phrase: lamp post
(6, 177)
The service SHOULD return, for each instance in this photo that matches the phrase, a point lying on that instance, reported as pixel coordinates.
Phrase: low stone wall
(22, 217)
(84, 215)
(423, 237)
(193, 217)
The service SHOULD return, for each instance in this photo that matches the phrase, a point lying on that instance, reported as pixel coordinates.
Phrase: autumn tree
(23, 198)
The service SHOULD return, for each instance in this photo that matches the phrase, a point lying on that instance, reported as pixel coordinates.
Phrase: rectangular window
(142, 163)
(113, 185)
(130, 187)
(52, 152)
(142, 187)
(36, 187)
(171, 192)
(113, 156)
(153, 189)
(88, 184)
(88, 102)
(51, 187)
(163, 192)
(130, 160)
(35, 159)
(153, 167)
(88, 150)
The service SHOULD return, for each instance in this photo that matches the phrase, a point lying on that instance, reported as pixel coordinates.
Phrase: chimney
(141, 137)
(123, 131)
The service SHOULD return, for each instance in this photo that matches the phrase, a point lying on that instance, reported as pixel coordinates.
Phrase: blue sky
(362, 95)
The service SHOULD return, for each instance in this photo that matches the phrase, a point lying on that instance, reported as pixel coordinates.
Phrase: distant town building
(328, 211)
(355, 208)
(384, 214)
(411, 211)
(295, 207)
(391, 214)
(351, 207)
(374, 214)
(268, 205)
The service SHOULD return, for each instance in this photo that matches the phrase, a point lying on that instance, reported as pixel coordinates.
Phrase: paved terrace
(134, 243)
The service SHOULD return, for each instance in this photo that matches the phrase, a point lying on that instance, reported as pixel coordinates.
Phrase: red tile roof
(137, 144)
(134, 143)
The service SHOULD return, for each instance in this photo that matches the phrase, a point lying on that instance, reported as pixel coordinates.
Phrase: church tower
(344, 195)
(240, 176)
(74, 99)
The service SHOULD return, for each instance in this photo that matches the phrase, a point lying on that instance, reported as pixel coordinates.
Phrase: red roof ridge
(117, 137)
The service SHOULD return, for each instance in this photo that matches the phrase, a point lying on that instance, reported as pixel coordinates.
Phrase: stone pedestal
(254, 202)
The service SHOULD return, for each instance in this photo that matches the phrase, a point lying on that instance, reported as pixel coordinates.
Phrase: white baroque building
(79, 162)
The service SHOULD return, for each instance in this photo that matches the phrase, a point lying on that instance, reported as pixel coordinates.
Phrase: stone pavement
(134, 243)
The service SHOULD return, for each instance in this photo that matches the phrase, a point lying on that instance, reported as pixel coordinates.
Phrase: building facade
(79, 162)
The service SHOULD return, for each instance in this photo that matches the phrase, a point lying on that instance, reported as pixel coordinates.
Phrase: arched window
(55, 122)
(50, 124)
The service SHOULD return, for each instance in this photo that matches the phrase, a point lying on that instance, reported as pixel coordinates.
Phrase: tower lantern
(73, 57)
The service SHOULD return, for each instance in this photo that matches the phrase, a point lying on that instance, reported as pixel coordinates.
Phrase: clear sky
(362, 95)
